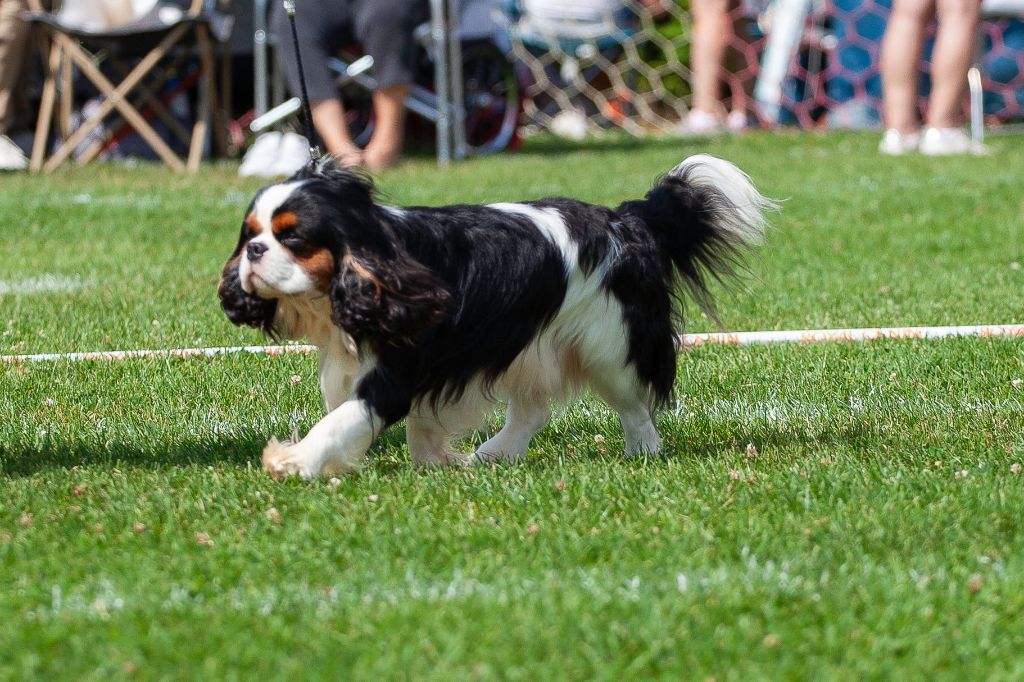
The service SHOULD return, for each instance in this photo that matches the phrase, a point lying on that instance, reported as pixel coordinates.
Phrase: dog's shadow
(20, 461)
(389, 453)
(57, 452)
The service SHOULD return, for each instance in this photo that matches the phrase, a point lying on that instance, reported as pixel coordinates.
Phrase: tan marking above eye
(253, 223)
(283, 221)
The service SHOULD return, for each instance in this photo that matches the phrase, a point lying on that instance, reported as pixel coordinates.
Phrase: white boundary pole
(800, 336)
(178, 353)
(861, 334)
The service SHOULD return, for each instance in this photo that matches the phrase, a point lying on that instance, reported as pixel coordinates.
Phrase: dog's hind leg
(604, 350)
(621, 389)
(429, 443)
(524, 417)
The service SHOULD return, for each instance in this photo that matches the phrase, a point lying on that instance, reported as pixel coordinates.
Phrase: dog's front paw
(284, 459)
(281, 460)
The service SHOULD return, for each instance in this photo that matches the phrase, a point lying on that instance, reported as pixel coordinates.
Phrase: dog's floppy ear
(389, 302)
(241, 307)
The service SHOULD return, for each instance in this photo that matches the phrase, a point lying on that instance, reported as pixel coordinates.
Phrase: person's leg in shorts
(385, 30)
(323, 28)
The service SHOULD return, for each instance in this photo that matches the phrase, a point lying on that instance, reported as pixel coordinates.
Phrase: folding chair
(167, 37)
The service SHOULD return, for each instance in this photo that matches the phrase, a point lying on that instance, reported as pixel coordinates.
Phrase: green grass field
(828, 512)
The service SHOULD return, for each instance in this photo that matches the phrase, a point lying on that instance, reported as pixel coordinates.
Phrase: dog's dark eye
(290, 240)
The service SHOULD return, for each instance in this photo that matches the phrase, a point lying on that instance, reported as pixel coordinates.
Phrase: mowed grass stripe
(860, 241)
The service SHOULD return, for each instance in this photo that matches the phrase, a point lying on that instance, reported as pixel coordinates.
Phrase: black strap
(314, 149)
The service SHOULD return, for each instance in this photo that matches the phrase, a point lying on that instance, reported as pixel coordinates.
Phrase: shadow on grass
(388, 456)
(861, 435)
(28, 460)
(553, 146)
(17, 462)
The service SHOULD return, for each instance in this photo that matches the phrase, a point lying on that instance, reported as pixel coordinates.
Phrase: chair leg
(91, 152)
(456, 87)
(66, 90)
(206, 100)
(977, 105)
(441, 75)
(46, 106)
(223, 91)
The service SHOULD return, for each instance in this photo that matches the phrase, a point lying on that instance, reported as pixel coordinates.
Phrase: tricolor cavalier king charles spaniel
(435, 314)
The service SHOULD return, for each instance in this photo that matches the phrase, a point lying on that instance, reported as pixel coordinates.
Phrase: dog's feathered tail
(705, 213)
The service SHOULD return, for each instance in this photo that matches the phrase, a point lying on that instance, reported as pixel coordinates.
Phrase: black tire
(491, 97)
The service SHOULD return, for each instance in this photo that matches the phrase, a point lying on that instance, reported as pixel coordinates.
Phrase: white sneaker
(11, 156)
(700, 122)
(292, 154)
(570, 124)
(737, 121)
(947, 141)
(259, 160)
(274, 154)
(895, 143)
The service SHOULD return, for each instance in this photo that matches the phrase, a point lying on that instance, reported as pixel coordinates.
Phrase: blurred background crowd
(188, 79)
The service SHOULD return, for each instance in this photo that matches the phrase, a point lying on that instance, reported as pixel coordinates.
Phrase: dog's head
(320, 233)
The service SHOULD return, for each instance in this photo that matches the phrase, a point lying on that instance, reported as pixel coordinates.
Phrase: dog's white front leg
(339, 367)
(336, 443)
(336, 378)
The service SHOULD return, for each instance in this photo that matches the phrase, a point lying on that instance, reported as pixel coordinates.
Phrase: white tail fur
(745, 214)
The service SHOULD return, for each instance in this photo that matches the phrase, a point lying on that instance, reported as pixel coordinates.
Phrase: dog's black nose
(254, 250)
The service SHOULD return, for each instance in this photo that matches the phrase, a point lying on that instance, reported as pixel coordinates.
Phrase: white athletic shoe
(737, 121)
(947, 141)
(700, 122)
(274, 154)
(570, 124)
(895, 143)
(292, 154)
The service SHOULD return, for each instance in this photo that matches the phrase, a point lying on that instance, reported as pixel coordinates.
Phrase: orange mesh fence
(835, 80)
(629, 68)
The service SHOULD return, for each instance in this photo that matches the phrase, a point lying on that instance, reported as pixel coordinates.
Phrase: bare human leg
(385, 146)
(901, 55)
(951, 58)
(329, 121)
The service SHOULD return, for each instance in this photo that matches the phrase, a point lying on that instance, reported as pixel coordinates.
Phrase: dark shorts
(384, 28)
